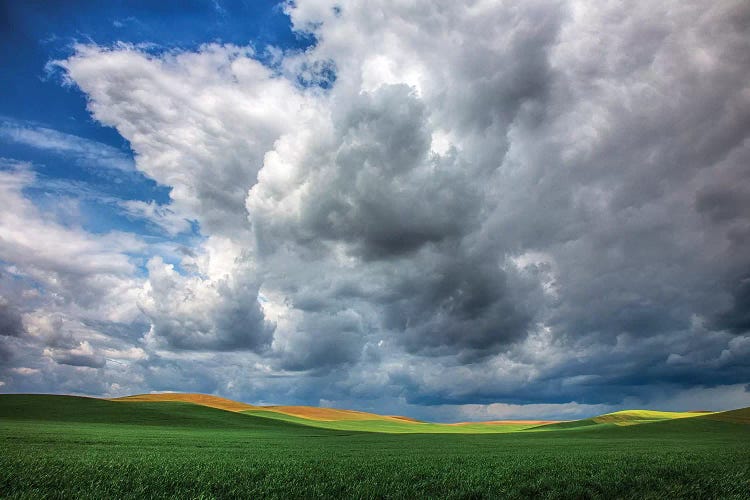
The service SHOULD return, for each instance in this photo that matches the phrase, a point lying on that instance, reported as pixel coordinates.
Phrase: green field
(67, 447)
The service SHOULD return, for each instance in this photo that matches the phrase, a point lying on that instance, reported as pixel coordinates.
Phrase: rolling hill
(201, 409)
(173, 414)
(185, 446)
(623, 418)
(198, 399)
(352, 420)
(333, 418)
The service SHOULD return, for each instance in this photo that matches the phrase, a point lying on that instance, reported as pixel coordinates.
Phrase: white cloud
(198, 122)
(70, 287)
(22, 370)
(77, 267)
(219, 311)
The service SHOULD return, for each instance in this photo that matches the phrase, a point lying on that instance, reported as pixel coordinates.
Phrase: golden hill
(509, 422)
(632, 417)
(328, 414)
(308, 412)
(199, 399)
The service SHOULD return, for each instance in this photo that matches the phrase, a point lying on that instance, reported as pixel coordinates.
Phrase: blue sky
(37, 100)
(445, 210)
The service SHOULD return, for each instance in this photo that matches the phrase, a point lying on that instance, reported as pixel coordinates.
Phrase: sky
(447, 210)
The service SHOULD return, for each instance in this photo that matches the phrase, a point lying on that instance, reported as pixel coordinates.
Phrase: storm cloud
(435, 205)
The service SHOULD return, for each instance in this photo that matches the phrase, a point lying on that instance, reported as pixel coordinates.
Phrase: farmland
(62, 447)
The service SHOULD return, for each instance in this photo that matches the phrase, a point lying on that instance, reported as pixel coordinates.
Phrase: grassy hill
(198, 399)
(62, 410)
(69, 447)
(351, 420)
(621, 418)
(333, 418)
(634, 417)
(740, 416)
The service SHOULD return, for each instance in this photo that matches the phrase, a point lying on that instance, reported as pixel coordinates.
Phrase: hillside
(303, 412)
(628, 418)
(73, 447)
(172, 414)
(333, 418)
(353, 420)
(394, 425)
(206, 410)
(634, 417)
(199, 399)
(740, 416)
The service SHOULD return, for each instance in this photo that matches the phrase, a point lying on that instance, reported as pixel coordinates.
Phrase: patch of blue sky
(57, 155)
(97, 191)
(42, 31)
(47, 125)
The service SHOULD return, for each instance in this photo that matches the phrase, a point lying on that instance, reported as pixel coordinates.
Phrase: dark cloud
(322, 341)
(737, 318)
(6, 351)
(162, 374)
(11, 322)
(457, 304)
(72, 358)
(632, 369)
(129, 332)
(723, 203)
(378, 189)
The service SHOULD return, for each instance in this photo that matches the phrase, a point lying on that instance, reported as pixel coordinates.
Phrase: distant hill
(199, 399)
(625, 418)
(306, 412)
(333, 418)
(740, 416)
(185, 409)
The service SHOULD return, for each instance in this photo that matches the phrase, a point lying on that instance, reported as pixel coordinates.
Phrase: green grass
(61, 447)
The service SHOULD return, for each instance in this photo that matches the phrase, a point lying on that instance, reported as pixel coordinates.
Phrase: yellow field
(633, 417)
(330, 414)
(199, 399)
(307, 412)
(508, 422)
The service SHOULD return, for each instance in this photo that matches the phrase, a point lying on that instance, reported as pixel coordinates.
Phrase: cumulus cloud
(369, 183)
(437, 205)
(81, 269)
(198, 122)
(204, 313)
(64, 291)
